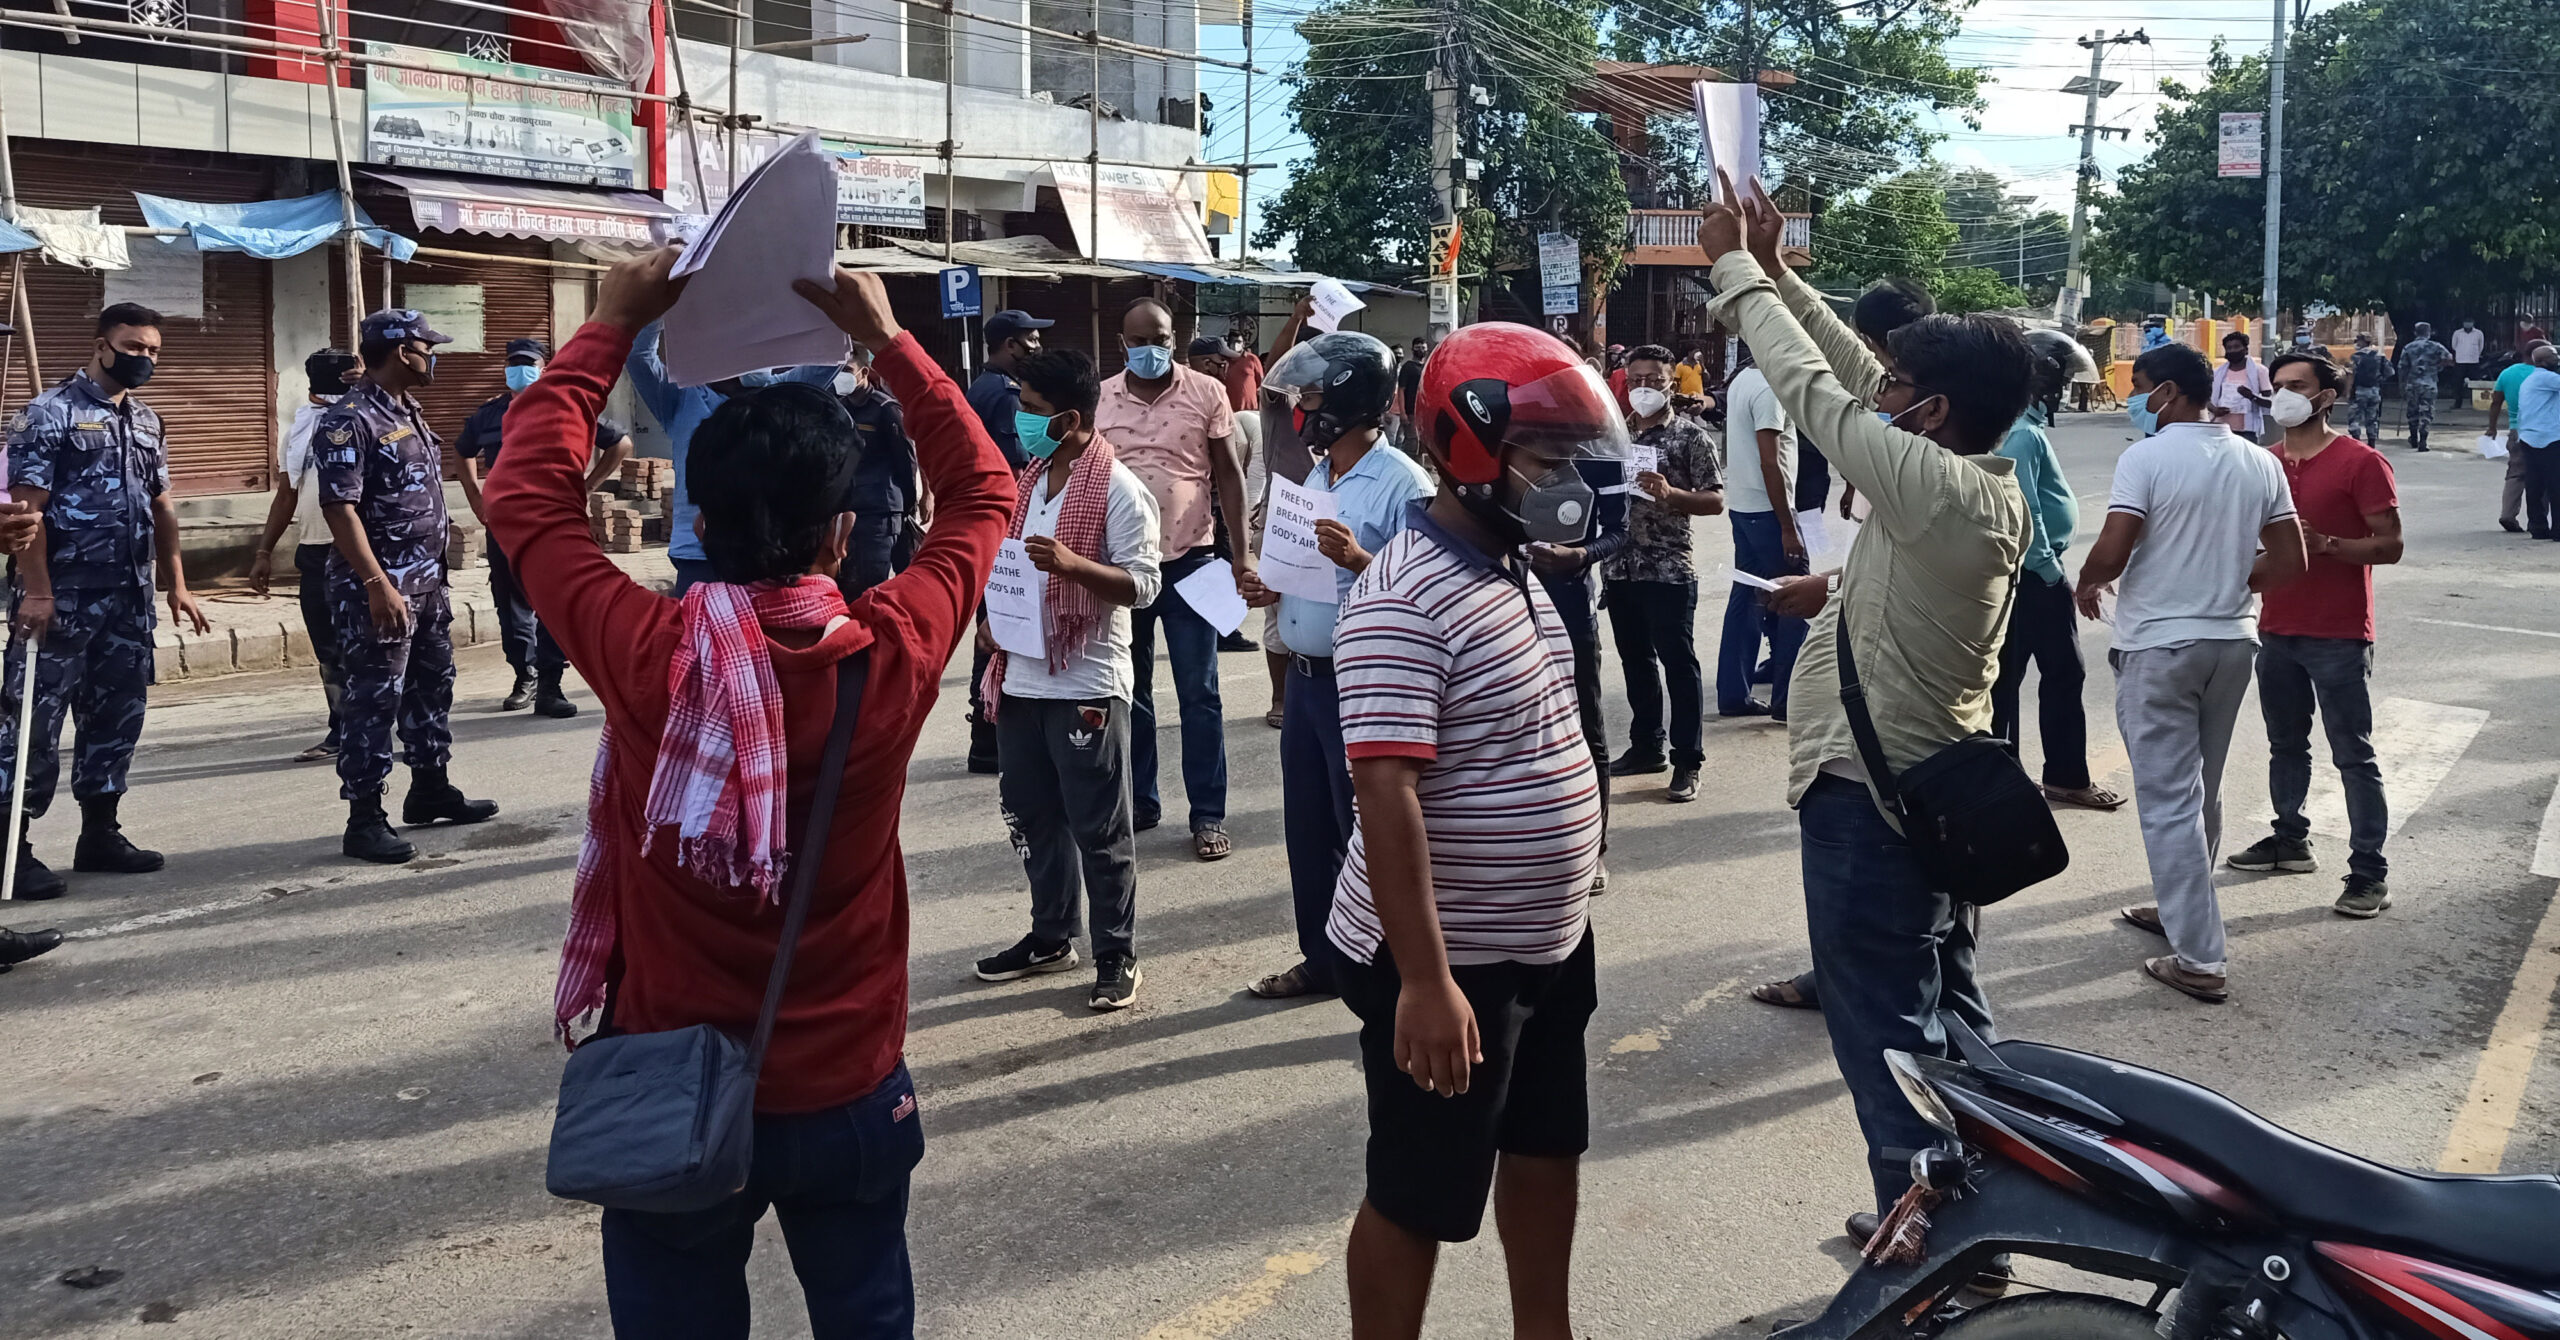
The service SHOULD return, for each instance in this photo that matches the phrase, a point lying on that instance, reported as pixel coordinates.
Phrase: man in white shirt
(2468, 344)
(2198, 523)
(2241, 389)
(1062, 720)
(297, 504)
(1759, 490)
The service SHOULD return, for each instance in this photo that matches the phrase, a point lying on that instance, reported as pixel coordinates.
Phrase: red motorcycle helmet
(1496, 383)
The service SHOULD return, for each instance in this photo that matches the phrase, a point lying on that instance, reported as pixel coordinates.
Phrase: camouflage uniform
(2364, 421)
(101, 464)
(2420, 363)
(377, 453)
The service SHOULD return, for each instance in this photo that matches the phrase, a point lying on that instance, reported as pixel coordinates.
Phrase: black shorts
(1431, 1158)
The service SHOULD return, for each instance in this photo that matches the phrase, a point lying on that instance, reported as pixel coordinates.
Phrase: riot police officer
(382, 491)
(90, 457)
(882, 496)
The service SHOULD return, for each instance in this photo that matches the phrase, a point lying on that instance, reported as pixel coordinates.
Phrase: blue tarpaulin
(15, 238)
(268, 229)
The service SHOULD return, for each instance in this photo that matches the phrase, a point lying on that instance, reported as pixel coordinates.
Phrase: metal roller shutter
(515, 302)
(215, 387)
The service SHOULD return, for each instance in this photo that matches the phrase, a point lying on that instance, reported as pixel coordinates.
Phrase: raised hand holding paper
(1291, 563)
(1211, 594)
(1729, 129)
(1332, 302)
(739, 313)
(1014, 592)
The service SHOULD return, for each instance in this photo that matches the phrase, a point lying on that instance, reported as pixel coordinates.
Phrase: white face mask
(1647, 401)
(2290, 408)
(848, 382)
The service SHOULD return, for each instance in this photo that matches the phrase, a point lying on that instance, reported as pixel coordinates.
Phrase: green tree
(1865, 76)
(1998, 230)
(2421, 170)
(1362, 203)
(1975, 290)
(1897, 227)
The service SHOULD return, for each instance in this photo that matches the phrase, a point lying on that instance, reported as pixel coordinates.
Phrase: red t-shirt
(2333, 493)
(688, 952)
(1244, 382)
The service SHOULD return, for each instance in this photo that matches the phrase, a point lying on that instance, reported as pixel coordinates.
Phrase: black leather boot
(36, 880)
(369, 835)
(518, 696)
(549, 700)
(103, 849)
(431, 797)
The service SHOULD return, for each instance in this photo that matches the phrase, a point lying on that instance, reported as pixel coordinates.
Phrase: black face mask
(130, 371)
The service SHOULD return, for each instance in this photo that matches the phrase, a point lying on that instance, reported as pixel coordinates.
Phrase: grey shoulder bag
(665, 1122)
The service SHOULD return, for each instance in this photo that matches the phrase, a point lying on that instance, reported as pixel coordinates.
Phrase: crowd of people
(1445, 765)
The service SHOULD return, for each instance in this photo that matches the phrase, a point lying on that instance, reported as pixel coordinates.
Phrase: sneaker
(2364, 899)
(1115, 981)
(1684, 785)
(1638, 763)
(2284, 855)
(1027, 958)
(1750, 708)
(1600, 880)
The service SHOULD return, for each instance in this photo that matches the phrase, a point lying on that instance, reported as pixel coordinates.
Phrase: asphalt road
(287, 1096)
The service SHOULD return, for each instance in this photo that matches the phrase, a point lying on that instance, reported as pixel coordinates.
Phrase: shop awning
(1027, 253)
(268, 229)
(522, 209)
(898, 261)
(1256, 275)
(15, 238)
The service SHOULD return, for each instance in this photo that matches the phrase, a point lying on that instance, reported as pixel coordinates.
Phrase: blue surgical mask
(2138, 412)
(1033, 429)
(521, 375)
(1149, 361)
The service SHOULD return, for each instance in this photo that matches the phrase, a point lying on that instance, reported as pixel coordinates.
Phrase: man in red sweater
(836, 1126)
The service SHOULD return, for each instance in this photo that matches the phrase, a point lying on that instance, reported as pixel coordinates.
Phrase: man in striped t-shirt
(1462, 912)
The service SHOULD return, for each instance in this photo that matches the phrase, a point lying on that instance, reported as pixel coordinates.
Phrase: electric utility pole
(2075, 284)
(1446, 82)
(2268, 342)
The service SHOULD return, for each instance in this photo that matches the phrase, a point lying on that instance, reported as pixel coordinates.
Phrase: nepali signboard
(454, 117)
(878, 192)
(2244, 144)
(1144, 214)
(1560, 273)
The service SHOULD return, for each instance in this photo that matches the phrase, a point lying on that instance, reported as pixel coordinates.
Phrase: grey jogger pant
(1066, 788)
(2175, 707)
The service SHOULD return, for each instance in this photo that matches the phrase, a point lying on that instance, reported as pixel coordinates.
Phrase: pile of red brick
(630, 510)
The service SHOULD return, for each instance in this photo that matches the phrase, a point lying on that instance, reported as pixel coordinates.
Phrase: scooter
(2146, 1178)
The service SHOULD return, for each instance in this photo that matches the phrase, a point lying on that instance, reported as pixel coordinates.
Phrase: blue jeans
(1192, 645)
(1758, 549)
(1315, 811)
(1890, 954)
(838, 1180)
(2294, 675)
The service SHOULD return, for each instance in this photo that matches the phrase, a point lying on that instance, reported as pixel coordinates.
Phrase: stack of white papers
(739, 313)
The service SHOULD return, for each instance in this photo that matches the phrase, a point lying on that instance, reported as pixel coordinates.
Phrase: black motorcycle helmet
(2060, 360)
(1352, 374)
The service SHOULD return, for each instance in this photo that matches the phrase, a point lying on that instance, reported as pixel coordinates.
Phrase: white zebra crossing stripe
(2546, 848)
(2416, 743)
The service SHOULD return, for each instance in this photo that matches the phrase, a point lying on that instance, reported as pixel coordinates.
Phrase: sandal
(316, 753)
(1209, 843)
(1789, 993)
(2143, 918)
(1287, 985)
(1272, 718)
(2168, 972)
(2092, 797)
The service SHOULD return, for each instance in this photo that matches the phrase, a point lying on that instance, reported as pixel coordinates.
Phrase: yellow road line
(1222, 1314)
(2478, 1141)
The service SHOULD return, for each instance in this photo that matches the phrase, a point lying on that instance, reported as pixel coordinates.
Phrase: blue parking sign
(961, 295)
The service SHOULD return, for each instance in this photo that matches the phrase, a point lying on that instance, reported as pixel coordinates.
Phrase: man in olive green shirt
(1925, 594)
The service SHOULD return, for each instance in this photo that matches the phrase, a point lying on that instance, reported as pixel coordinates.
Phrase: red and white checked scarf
(722, 779)
(1069, 612)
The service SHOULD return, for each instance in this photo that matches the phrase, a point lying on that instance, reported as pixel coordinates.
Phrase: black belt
(1318, 667)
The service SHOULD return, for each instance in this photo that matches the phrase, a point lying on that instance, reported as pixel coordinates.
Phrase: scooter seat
(2509, 1225)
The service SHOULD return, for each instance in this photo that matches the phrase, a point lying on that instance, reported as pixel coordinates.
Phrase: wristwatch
(1831, 583)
